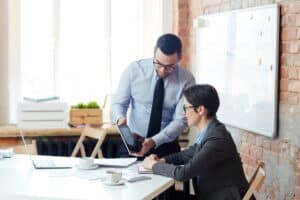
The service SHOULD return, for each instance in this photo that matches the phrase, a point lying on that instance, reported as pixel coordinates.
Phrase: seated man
(213, 161)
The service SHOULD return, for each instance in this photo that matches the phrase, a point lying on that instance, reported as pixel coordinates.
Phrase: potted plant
(83, 114)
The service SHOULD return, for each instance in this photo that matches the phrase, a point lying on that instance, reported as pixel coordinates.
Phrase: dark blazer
(214, 165)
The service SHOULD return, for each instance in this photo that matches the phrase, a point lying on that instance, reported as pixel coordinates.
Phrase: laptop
(46, 162)
(132, 141)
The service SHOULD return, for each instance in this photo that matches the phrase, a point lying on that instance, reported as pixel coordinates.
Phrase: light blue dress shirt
(201, 134)
(135, 90)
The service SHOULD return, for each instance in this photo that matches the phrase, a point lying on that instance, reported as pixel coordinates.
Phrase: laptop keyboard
(48, 163)
(44, 163)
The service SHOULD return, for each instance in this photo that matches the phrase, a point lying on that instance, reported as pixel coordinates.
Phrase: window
(77, 49)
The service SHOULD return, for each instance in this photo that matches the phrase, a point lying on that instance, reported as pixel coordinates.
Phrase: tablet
(132, 141)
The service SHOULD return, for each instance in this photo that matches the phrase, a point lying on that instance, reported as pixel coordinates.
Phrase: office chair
(98, 134)
(256, 180)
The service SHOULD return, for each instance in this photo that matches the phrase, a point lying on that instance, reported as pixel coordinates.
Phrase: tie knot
(160, 80)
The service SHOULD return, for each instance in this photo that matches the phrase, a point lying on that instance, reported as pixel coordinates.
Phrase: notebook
(143, 170)
(46, 163)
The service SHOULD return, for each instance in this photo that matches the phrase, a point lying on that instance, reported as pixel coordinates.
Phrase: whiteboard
(237, 52)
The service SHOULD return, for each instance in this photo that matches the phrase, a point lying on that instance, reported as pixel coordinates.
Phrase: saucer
(93, 166)
(110, 183)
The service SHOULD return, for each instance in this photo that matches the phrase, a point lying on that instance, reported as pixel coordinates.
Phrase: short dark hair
(169, 44)
(203, 95)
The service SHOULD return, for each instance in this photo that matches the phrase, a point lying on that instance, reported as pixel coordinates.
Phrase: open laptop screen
(132, 141)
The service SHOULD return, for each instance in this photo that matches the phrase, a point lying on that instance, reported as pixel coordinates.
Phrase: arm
(175, 127)
(211, 154)
(176, 158)
(182, 157)
(122, 97)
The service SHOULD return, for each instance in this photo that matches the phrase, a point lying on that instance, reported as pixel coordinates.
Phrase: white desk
(19, 180)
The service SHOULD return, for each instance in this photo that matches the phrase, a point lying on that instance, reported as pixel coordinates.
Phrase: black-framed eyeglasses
(186, 107)
(167, 67)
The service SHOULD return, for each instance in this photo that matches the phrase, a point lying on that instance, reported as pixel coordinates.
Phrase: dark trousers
(163, 150)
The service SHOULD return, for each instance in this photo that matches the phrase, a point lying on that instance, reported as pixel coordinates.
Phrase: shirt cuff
(158, 139)
(117, 118)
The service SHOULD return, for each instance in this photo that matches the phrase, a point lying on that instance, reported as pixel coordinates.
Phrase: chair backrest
(98, 134)
(20, 149)
(256, 180)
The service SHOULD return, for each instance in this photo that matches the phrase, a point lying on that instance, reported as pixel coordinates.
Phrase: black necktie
(157, 107)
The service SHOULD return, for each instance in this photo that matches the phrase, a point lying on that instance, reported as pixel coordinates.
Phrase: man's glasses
(166, 67)
(186, 107)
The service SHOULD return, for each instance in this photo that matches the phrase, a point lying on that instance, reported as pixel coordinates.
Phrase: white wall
(4, 94)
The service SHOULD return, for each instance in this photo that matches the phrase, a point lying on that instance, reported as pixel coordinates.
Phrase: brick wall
(282, 154)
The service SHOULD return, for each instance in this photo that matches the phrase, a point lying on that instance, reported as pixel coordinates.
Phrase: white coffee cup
(115, 177)
(86, 162)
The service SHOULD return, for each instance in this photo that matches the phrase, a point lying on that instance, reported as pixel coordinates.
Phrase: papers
(6, 153)
(143, 170)
(51, 98)
(115, 162)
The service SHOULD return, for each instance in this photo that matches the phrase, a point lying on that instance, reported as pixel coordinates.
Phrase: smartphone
(138, 178)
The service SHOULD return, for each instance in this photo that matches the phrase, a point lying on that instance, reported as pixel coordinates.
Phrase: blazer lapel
(210, 127)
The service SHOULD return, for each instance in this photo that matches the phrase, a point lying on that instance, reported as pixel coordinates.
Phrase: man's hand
(122, 121)
(156, 158)
(147, 145)
(149, 162)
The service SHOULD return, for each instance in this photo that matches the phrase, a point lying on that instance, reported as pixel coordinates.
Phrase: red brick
(290, 47)
(293, 47)
(284, 84)
(283, 72)
(259, 141)
(298, 179)
(288, 20)
(293, 7)
(267, 144)
(285, 149)
(256, 152)
(294, 86)
(248, 160)
(275, 147)
(251, 138)
(298, 166)
(297, 19)
(287, 60)
(297, 192)
(296, 60)
(244, 137)
(270, 153)
(289, 97)
(245, 148)
(283, 8)
(298, 34)
(293, 73)
(289, 34)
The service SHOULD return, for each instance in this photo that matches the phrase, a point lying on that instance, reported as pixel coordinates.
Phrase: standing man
(152, 89)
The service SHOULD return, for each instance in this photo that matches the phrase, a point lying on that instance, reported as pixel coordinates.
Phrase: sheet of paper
(115, 162)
